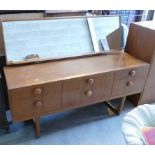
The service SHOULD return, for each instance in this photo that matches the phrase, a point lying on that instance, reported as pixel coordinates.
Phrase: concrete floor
(88, 125)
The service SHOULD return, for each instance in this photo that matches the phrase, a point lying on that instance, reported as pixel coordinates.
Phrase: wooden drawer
(82, 82)
(127, 87)
(50, 99)
(101, 90)
(131, 73)
(85, 92)
(30, 92)
(125, 84)
(49, 103)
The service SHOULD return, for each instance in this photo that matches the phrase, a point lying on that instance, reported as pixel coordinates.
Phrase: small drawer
(131, 73)
(83, 82)
(35, 91)
(127, 87)
(33, 106)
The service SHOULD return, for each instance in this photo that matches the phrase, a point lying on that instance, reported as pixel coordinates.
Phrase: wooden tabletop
(33, 74)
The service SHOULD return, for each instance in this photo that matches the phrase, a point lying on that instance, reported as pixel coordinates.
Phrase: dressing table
(41, 80)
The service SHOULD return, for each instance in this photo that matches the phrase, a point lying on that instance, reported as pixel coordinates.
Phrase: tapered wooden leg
(121, 105)
(112, 108)
(37, 124)
(116, 110)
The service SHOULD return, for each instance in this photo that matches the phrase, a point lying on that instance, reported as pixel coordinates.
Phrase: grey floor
(88, 125)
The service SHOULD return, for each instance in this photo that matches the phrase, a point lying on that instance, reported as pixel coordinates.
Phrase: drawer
(77, 83)
(35, 91)
(132, 72)
(87, 93)
(129, 85)
(101, 90)
(47, 103)
(74, 88)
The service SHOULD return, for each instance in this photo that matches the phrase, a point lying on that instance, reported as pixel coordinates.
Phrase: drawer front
(35, 91)
(23, 108)
(78, 83)
(126, 84)
(90, 90)
(127, 87)
(101, 90)
(73, 89)
(131, 73)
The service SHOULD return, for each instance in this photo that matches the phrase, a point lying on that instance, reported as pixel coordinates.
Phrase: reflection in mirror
(45, 39)
(108, 32)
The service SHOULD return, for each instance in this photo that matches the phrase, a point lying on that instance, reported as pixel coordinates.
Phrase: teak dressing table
(53, 86)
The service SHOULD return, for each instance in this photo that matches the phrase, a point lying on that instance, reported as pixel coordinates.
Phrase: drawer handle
(130, 83)
(38, 104)
(132, 73)
(89, 93)
(91, 81)
(37, 91)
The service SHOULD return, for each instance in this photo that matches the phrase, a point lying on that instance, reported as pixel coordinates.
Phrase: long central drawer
(87, 90)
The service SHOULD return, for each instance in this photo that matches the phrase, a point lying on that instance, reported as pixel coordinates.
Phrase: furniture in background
(138, 118)
(130, 16)
(141, 44)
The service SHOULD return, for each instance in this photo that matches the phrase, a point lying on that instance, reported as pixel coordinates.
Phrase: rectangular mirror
(45, 39)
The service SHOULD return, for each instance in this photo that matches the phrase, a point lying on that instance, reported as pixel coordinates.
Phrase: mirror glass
(35, 40)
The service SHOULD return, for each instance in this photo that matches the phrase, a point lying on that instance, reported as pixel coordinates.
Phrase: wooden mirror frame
(96, 52)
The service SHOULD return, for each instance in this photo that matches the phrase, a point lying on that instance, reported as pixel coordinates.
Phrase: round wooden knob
(132, 73)
(37, 91)
(130, 83)
(89, 93)
(90, 81)
(38, 104)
